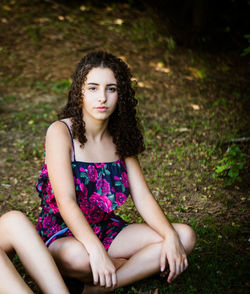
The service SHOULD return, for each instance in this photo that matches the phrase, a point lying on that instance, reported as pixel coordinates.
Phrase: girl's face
(99, 94)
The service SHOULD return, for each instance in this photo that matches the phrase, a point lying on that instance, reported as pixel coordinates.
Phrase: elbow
(67, 204)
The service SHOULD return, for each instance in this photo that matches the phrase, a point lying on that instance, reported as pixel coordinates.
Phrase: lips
(102, 108)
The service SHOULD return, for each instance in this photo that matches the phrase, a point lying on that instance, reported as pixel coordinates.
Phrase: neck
(95, 130)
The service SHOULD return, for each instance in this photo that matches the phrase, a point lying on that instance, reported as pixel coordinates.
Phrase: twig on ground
(238, 140)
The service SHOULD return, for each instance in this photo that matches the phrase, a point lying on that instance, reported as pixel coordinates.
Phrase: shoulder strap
(72, 140)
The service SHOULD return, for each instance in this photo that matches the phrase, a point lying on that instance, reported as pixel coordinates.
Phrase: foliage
(171, 44)
(61, 85)
(246, 51)
(232, 162)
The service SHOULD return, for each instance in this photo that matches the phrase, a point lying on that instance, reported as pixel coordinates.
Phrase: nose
(102, 96)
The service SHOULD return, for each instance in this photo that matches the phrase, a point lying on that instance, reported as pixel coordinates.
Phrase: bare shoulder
(132, 164)
(132, 160)
(58, 132)
(56, 128)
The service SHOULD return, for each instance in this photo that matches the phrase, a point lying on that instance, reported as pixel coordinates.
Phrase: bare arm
(172, 249)
(144, 200)
(58, 159)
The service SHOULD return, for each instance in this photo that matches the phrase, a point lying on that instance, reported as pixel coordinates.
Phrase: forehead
(100, 75)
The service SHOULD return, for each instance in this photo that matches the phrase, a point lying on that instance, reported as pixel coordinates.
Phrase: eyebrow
(96, 84)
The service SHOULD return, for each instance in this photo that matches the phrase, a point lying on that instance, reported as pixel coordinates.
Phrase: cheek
(116, 99)
(115, 102)
(87, 99)
(85, 104)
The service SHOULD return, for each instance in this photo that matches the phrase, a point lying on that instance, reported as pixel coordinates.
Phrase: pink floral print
(100, 189)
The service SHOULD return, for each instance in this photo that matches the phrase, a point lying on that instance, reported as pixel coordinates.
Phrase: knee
(188, 238)
(73, 260)
(11, 220)
(13, 216)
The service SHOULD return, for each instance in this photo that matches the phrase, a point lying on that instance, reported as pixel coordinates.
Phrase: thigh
(69, 253)
(131, 239)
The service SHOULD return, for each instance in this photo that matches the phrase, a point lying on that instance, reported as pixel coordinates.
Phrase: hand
(103, 270)
(173, 252)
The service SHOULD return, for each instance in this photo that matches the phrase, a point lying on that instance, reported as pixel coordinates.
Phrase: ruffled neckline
(97, 163)
(118, 161)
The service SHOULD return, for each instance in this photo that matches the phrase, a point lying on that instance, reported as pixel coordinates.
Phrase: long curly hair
(123, 124)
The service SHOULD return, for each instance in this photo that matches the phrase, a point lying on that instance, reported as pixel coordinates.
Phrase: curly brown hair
(123, 125)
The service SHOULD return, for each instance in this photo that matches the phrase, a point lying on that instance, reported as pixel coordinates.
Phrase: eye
(112, 89)
(92, 88)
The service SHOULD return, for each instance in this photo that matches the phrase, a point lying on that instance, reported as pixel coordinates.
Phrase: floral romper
(100, 189)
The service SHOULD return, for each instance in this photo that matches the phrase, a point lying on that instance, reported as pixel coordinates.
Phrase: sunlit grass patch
(143, 31)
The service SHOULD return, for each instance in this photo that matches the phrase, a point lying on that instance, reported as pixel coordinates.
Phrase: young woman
(18, 235)
(91, 168)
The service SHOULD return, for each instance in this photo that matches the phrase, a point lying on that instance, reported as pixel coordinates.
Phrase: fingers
(162, 262)
(114, 280)
(108, 280)
(104, 271)
(95, 278)
(172, 268)
(111, 280)
(176, 268)
(185, 263)
(102, 280)
(108, 283)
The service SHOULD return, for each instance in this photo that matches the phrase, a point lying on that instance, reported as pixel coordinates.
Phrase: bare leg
(10, 281)
(19, 235)
(72, 259)
(146, 261)
(142, 246)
